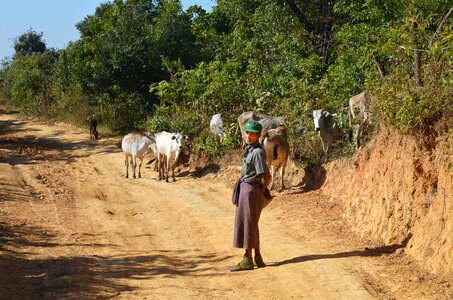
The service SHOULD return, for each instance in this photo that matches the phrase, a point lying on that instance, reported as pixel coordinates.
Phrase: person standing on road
(255, 177)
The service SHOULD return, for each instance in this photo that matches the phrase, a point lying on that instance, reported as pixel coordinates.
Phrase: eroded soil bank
(400, 190)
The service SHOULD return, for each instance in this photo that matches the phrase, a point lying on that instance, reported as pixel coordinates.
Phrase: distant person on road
(248, 196)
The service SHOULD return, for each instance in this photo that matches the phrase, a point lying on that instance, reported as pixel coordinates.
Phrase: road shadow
(14, 126)
(8, 112)
(10, 192)
(203, 171)
(29, 148)
(88, 276)
(377, 251)
(22, 236)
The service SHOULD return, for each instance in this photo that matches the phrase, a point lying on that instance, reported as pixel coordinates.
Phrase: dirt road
(71, 226)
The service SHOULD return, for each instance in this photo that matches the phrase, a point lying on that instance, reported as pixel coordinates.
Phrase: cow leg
(134, 163)
(173, 171)
(273, 177)
(126, 163)
(282, 173)
(159, 167)
(156, 165)
(325, 147)
(357, 134)
(167, 165)
(327, 150)
(324, 150)
(164, 168)
(139, 169)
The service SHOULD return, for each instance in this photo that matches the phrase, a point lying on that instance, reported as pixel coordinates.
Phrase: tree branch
(444, 20)
(302, 18)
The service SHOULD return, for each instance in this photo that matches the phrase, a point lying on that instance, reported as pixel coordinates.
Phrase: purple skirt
(248, 211)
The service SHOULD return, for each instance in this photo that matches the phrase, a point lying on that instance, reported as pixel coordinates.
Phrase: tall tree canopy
(29, 43)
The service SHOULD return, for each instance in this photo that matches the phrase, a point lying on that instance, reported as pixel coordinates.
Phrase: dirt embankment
(400, 190)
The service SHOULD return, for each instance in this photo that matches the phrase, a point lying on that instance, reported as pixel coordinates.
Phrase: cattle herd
(167, 146)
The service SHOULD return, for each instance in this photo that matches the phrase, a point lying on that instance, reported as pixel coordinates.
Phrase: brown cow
(275, 144)
(268, 122)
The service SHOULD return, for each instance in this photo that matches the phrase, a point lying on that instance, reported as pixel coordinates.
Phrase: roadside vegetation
(151, 65)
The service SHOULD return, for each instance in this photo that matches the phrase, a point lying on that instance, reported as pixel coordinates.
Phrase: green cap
(253, 126)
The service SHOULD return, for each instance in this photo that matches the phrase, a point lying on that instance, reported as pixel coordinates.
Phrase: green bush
(412, 108)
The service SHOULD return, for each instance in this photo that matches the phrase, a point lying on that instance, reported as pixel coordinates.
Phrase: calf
(276, 146)
(362, 102)
(94, 135)
(168, 147)
(135, 145)
(216, 126)
(326, 127)
(268, 122)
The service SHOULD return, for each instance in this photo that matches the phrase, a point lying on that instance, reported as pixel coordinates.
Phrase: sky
(56, 19)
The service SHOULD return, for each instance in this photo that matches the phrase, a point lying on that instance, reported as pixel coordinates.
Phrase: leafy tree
(29, 43)
(31, 83)
(173, 36)
(317, 18)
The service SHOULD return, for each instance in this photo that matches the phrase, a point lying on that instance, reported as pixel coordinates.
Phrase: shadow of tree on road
(30, 148)
(86, 276)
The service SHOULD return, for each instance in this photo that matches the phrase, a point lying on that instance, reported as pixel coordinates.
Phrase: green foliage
(123, 111)
(150, 65)
(414, 103)
(413, 108)
(210, 145)
(160, 121)
(172, 34)
(6, 80)
(30, 83)
(28, 43)
(71, 106)
(233, 137)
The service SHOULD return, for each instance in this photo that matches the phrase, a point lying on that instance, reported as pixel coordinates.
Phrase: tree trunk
(417, 66)
(417, 56)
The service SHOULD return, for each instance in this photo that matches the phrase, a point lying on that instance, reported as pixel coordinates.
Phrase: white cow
(168, 147)
(362, 102)
(135, 145)
(276, 146)
(326, 127)
(216, 126)
(268, 122)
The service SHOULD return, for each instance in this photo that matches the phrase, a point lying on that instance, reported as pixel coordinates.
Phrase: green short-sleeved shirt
(253, 163)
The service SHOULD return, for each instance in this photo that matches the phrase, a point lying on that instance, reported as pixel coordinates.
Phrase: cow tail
(350, 133)
(275, 152)
(349, 115)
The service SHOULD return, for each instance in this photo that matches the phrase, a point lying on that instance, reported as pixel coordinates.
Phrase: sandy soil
(71, 226)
